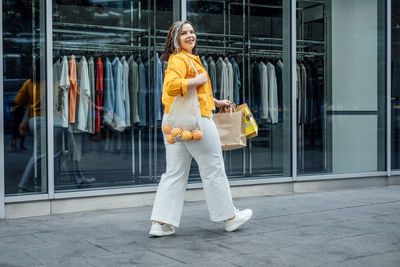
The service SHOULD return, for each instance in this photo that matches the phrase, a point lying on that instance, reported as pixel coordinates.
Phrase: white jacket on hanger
(272, 93)
(264, 90)
(229, 93)
(222, 78)
(61, 89)
(84, 94)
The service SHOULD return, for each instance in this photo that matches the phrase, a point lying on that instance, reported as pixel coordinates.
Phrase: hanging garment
(310, 100)
(256, 85)
(236, 81)
(109, 94)
(158, 88)
(73, 89)
(164, 67)
(222, 79)
(118, 123)
(142, 93)
(99, 93)
(229, 95)
(204, 62)
(61, 89)
(279, 82)
(272, 94)
(212, 73)
(298, 90)
(84, 94)
(303, 93)
(133, 82)
(263, 91)
(125, 89)
(57, 106)
(92, 110)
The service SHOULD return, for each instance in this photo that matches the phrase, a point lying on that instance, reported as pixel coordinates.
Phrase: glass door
(24, 97)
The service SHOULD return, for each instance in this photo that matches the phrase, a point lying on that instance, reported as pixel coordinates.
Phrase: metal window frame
(388, 87)
(293, 46)
(50, 92)
(2, 170)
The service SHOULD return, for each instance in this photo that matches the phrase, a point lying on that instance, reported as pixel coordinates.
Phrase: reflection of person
(180, 76)
(29, 96)
(18, 114)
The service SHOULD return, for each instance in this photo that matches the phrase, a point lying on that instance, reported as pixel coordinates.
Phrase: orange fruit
(197, 135)
(166, 129)
(170, 139)
(187, 135)
(176, 132)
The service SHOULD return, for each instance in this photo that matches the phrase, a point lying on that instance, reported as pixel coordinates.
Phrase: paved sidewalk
(339, 228)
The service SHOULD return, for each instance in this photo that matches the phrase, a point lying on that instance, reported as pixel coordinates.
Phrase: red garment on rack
(99, 93)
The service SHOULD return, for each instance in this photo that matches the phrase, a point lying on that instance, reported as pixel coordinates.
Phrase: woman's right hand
(201, 78)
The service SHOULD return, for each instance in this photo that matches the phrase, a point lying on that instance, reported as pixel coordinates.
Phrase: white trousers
(207, 152)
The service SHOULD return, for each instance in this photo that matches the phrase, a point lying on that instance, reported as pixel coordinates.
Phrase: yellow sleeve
(23, 97)
(175, 81)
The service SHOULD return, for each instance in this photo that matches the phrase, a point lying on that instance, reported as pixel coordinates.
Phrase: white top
(125, 90)
(84, 94)
(222, 78)
(229, 88)
(60, 95)
(92, 101)
(264, 90)
(272, 93)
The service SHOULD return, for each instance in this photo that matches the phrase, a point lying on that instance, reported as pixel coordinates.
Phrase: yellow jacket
(29, 94)
(176, 82)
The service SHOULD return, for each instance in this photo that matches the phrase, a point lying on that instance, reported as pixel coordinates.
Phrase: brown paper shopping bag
(231, 129)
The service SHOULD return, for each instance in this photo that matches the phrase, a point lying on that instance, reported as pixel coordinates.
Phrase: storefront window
(340, 86)
(106, 94)
(247, 38)
(24, 97)
(269, 87)
(395, 85)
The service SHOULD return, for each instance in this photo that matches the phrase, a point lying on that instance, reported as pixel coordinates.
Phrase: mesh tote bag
(182, 123)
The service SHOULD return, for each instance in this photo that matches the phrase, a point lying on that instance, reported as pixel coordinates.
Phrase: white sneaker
(161, 229)
(240, 218)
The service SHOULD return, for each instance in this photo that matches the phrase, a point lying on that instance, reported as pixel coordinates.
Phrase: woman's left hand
(222, 103)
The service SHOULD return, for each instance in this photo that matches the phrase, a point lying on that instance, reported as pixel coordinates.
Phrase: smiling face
(187, 38)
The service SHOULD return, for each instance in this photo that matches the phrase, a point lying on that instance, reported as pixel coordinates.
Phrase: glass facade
(102, 138)
(395, 90)
(107, 83)
(341, 79)
(251, 37)
(24, 97)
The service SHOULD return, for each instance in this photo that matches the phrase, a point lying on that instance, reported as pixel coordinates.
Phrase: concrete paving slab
(338, 228)
(16, 257)
(65, 251)
(133, 258)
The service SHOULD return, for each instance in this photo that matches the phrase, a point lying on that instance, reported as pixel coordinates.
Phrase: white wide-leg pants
(207, 152)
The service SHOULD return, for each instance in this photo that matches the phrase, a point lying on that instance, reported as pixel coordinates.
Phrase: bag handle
(191, 63)
(232, 108)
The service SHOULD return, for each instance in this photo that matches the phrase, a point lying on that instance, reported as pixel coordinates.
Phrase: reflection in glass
(244, 38)
(340, 86)
(103, 96)
(24, 98)
(395, 94)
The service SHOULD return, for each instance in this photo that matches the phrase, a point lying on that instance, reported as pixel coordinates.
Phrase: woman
(180, 47)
